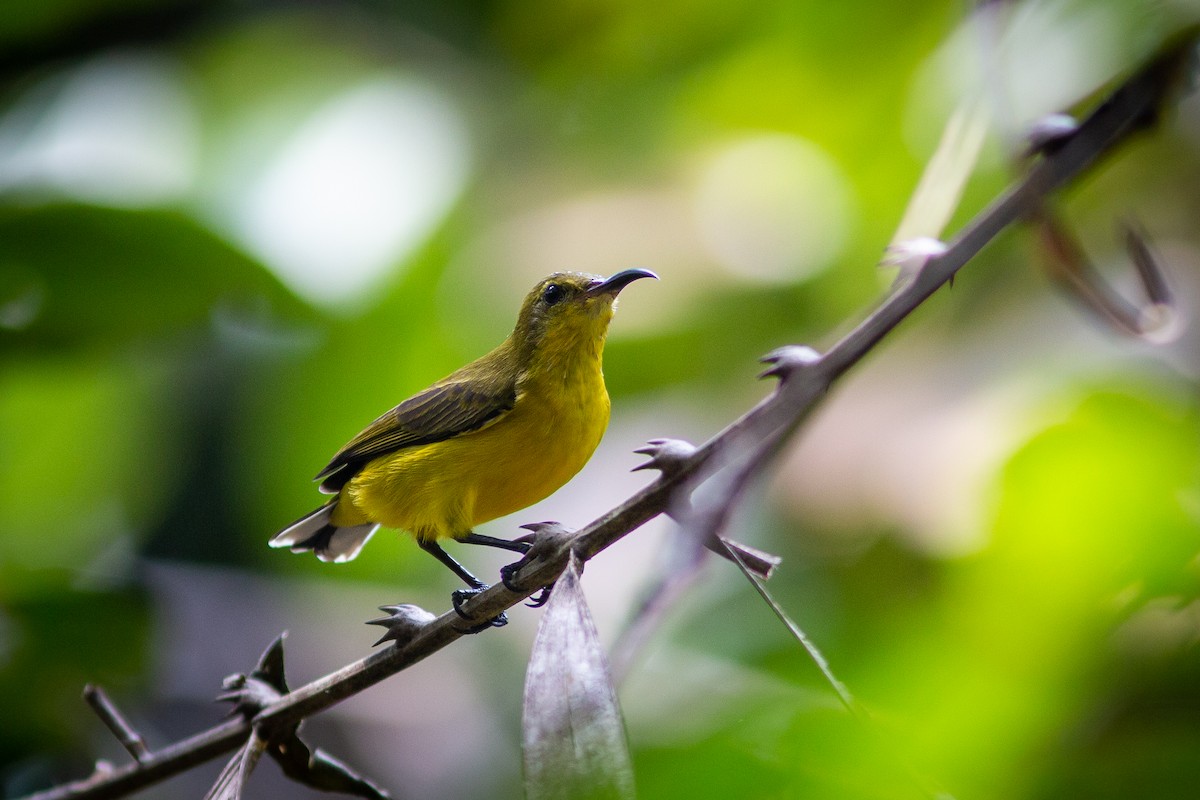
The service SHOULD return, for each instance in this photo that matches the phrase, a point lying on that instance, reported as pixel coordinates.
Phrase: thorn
(233, 682)
(263, 686)
(911, 256)
(788, 359)
(666, 455)
(543, 529)
(270, 665)
(233, 685)
(249, 695)
(1050, 133)
(403, 623)
(544, 539)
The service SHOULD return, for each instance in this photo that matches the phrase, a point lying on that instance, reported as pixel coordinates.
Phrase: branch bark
(1133, 106)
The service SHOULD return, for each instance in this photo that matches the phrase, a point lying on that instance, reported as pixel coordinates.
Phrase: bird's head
(568, 310)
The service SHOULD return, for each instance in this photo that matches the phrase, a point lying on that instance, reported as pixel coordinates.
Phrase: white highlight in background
(773, 207)
(355, 188)
(119, 130)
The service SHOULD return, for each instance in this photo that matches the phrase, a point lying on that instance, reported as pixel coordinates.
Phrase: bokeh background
(232, 233)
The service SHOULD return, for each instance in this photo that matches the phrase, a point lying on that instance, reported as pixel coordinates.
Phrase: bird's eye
(553, 293)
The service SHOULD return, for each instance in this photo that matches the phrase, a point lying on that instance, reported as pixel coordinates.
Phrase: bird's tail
(330, 543)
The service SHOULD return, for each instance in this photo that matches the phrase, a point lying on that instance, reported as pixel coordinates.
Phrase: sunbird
(491, 438)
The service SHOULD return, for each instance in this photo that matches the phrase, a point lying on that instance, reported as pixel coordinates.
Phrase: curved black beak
(615, 283)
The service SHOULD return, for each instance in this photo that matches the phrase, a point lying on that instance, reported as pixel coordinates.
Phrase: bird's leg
(508, 570)
(461, 596)
(492, 541)
(433, 548)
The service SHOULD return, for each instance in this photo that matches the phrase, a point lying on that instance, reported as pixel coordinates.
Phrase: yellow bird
(491, 438)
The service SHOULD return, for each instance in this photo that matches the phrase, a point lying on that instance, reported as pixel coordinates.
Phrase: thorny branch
(1133, 106)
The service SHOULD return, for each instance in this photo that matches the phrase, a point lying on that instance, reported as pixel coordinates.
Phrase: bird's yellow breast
(448, 487)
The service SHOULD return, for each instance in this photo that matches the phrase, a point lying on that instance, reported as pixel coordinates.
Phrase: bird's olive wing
(438, 413)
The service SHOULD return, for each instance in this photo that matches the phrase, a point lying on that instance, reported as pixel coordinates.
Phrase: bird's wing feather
(442, 411)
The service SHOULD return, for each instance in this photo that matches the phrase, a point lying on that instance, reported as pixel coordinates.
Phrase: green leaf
(55, 640)
(85, 276)
(88, 457)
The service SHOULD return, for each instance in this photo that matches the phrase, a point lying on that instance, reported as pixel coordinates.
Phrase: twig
(1134, 105)
(1152, 319)
(130, 739)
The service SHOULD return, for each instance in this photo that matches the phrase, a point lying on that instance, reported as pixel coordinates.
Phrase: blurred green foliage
(169, 382)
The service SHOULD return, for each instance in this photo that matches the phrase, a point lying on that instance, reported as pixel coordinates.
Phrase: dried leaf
(322, 771)
(233, 777)
(799, 635)
(315, 768)
(574, 736)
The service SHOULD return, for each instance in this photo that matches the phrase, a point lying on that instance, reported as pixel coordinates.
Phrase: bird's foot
(461, 596)
(508, 574)
(509, 571)
(544, 540)
(403, 622)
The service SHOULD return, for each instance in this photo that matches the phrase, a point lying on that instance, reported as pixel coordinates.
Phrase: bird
(491, 438)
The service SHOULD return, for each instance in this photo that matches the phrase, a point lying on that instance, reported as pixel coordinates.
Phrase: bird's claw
(403, 622)
(541, 598)
(508, 574)
(460, 596)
